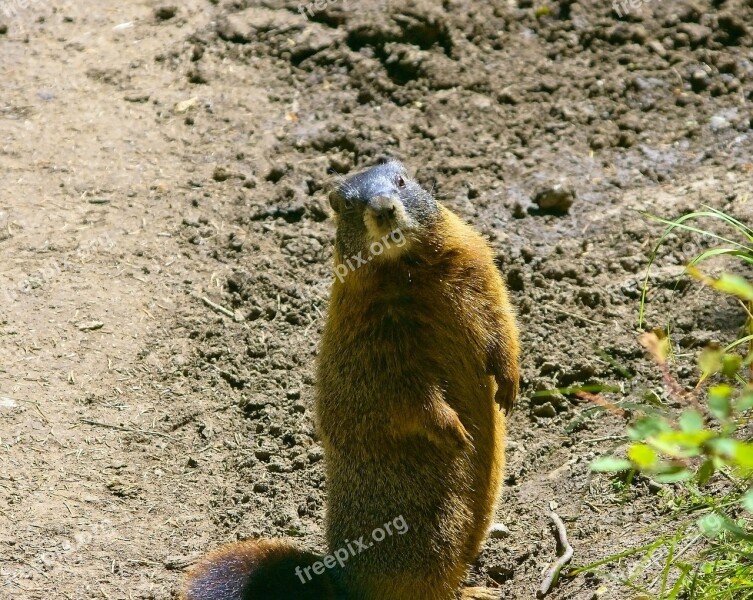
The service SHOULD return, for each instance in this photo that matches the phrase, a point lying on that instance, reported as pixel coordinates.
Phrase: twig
(216, 307)
(606, 438)
(599, 401)
(554, 573)
(126, 429)
(35, 404)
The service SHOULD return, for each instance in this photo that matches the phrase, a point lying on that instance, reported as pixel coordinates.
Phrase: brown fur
(407, 413)
(419, 357)
(255, 570)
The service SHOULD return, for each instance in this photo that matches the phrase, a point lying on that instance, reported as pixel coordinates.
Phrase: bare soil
(154, 156)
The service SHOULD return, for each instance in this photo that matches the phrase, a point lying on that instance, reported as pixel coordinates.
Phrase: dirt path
(152, 157)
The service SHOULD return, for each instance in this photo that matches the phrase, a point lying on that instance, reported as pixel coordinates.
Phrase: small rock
(658, 48)
(499, 531)
(221, 174)
(599, 141)
(90, 325)
(508, 96)
(696, 34)
(263, 454)
(699, 80)
(232, 29)
(557, 198)
(186, 105)
(137, 97)
(545, 411)
(122, 489)
(6, 402)
(718, 122)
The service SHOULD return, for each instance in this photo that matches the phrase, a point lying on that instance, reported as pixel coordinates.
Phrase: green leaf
(731, 364)
(747, 500)
(719, 401)
(642, 455)
(743, 455)
(680, 444)
(711, 525)
(705, 472)
(674, 476)
(691, 421)
(744, 402)
(645, 427)
(734, 529)
(745, 256)
(607, 464)
(710, 362)
(734, 285)
(725, 448)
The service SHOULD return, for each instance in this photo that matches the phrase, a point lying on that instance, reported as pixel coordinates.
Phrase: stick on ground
(554, 573)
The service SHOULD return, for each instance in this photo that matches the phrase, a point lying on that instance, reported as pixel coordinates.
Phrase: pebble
(6, 402)
(557, 198)
(499, 531)
(90, 325)
(699, 80)
(545, 411)
(718, 123)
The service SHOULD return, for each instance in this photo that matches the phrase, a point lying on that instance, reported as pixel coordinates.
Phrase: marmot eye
(400, 182)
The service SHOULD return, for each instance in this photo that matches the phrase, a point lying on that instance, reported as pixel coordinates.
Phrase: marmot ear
(336, 202)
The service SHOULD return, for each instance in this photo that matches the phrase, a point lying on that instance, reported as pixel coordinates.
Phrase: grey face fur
(380, 201)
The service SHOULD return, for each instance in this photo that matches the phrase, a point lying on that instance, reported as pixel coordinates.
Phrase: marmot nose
(384, 207)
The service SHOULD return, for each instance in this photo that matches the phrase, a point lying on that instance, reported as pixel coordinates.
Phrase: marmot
(417, 368)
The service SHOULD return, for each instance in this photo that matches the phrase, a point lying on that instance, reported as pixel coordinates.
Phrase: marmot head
(380, 211)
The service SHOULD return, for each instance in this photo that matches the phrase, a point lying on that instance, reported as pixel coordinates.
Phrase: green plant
(709, 437)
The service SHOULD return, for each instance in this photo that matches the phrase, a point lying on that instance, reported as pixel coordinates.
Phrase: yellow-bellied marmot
(419, 357)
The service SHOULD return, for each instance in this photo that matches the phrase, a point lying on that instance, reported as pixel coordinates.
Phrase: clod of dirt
(137, 98)
(186, 105)
(545, 411)
(123, 490)
(166, 12)
(221, 174)
(498, 531)
(555, 199)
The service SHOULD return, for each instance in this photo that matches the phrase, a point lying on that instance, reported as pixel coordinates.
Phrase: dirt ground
(157, 155)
